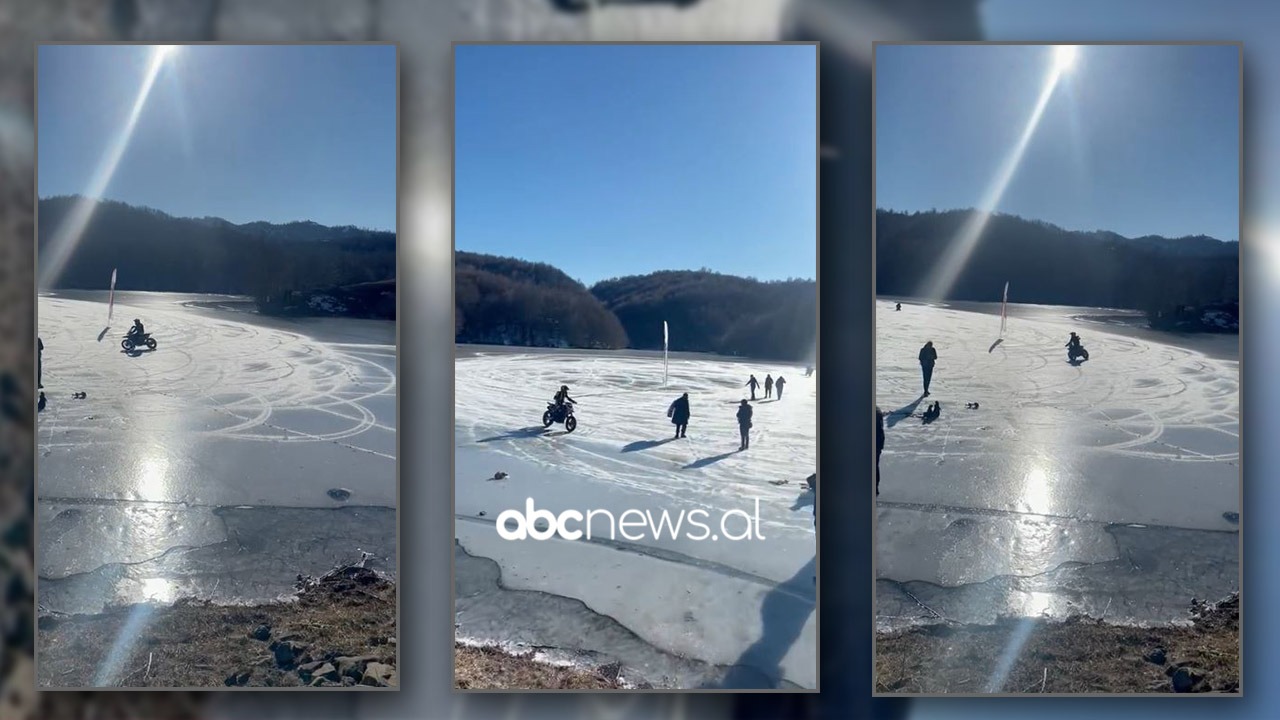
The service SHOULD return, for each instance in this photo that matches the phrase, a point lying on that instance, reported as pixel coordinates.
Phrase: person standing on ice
(778, 385)
(39, 363)
(744, 424)
(768, 386)
(928, 356)
(879, 444)
(679, 414)
(753, 383)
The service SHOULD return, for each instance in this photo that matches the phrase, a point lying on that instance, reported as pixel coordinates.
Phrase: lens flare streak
(68, 235)
(944, 275)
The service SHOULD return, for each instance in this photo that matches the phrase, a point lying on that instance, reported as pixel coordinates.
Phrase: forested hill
(514, 302)
(504, 301)
(277, 263)
(1050, 265)
(710, 312)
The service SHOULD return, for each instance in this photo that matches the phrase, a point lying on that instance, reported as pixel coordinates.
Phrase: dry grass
(490, 668)
(1078, 655)
(192, 644)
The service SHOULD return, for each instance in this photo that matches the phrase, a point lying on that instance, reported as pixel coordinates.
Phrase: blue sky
(620, 160)
(1138, 140)
(246, 133)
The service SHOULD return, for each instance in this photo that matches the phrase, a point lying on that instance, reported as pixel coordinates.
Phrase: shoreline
(1077, 655)
(487, 666)
(472, 350)
(340, 630)
(1219, 346)
(335, 329)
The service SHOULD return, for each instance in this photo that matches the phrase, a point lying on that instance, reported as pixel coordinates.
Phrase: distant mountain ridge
(282, 265)
(1049, 265)
(297, 230)
(502, 300)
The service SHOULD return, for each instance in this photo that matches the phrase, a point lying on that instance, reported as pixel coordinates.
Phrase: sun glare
(1064, 57)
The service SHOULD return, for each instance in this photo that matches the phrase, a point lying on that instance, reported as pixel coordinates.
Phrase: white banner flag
(111, 296)
(664, 352)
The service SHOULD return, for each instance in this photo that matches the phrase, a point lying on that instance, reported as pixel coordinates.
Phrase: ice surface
(715, 603)
(148, 481)
(1023, 506)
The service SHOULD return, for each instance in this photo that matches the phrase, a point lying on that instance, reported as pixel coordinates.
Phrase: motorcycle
(560, 414)
(1077, 352)
(132, 342)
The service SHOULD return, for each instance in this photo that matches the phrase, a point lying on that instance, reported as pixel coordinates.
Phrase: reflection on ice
(1037, 495)
(1037, 604)
(158, 590)
(153, 478)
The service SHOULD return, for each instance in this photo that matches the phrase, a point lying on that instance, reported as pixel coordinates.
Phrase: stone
(262, 632)
(353, 666)
(288, 652)
(610, 671)
(1156, 656)
(237, 679)
(340, 494)
(319, 670)
(1187, 679)
(378, 674)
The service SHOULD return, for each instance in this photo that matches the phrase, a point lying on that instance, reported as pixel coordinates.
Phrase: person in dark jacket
(1073, 341)
(933, 412)
(744, 424)
(928, 356)
(879, 444)
(812, 480)
(679, 414)
(768, 386)
(562, 396)
(778, 385)
(753, 383)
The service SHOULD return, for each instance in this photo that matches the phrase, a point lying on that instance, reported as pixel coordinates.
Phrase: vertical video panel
(636, 392)
(1058, 478)
(216, 498)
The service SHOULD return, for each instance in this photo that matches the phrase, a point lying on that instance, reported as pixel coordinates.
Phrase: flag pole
(664, 353)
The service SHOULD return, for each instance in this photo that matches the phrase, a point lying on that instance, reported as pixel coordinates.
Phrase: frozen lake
(1109, 488)
(203, 468)
(680, 611)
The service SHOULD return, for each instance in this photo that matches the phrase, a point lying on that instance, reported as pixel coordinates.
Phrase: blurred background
(425, 31)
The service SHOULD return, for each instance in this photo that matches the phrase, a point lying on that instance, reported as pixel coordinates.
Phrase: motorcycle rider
(1073, 344)
(136, 331)
(562, 397)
